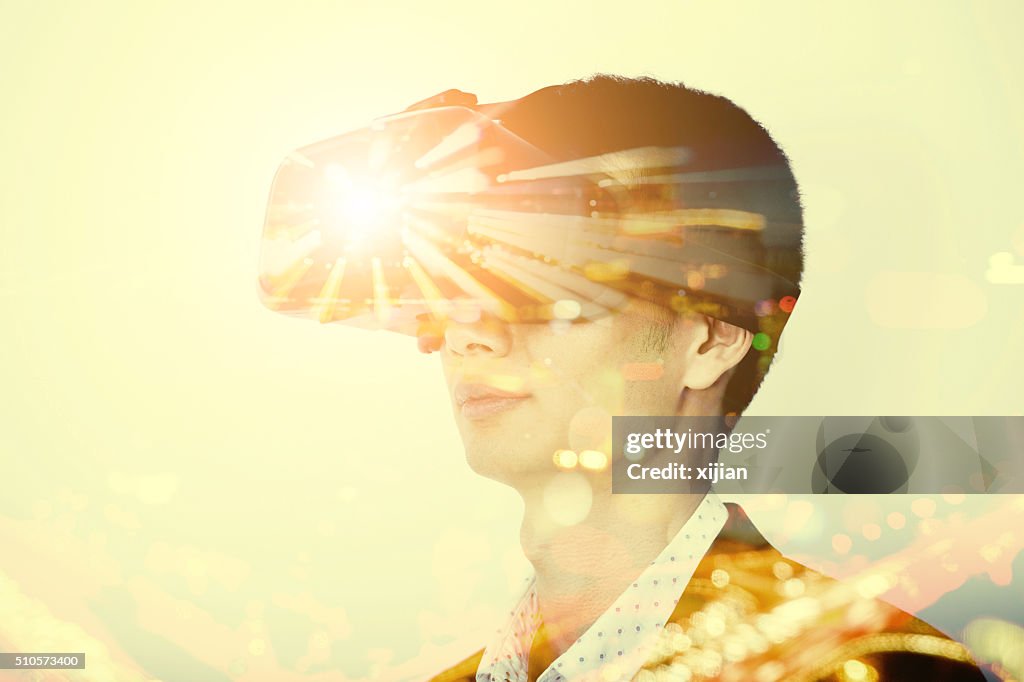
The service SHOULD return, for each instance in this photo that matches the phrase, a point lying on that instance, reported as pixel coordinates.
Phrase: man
(608, 599)
(691, 257)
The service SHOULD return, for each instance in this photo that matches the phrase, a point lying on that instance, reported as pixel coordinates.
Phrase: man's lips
(478, 401)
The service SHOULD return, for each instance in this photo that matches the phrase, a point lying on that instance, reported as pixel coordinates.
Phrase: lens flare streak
(558, 283)
(639, 158)
(324, 304)
(437, 262)
(432, 295)
(287, 281)
(463, 137)
(381, 295)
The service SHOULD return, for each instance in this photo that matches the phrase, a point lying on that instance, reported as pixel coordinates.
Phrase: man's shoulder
(766, 616)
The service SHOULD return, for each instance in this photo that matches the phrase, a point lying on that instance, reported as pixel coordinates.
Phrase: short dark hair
(607, 113)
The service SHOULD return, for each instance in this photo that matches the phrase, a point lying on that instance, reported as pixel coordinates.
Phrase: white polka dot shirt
(620, 640)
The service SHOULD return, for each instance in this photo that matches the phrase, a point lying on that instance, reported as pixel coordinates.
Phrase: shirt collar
(619, 641)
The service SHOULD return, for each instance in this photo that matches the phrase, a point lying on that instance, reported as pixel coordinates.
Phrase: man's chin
(503, 464)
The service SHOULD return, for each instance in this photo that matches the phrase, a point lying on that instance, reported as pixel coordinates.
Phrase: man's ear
(715, 347)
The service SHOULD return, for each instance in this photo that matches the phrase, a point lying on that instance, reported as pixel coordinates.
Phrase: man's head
(522, 392)
(612, 247)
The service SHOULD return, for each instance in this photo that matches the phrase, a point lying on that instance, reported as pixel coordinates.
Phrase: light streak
(437, 262)
(718, 217)
(435, 300)
(466, 135)
(755, 174)
(632, 159)
(323, 305)
(428, 230)
(296, 157)
(293, 231)
(597, 299)
(381, 296)
(455, 180)
(287, 281)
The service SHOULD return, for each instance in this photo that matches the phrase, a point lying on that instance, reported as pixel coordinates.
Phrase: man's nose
(487, 337)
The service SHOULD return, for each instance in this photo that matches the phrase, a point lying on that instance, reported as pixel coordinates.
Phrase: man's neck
(582, 568)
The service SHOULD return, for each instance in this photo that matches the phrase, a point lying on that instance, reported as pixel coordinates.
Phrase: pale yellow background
(161, 424)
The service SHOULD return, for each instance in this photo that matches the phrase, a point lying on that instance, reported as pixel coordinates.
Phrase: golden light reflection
(593, 460)
(565, 459)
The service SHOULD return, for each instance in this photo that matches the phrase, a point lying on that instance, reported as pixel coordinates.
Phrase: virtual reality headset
(443, 212)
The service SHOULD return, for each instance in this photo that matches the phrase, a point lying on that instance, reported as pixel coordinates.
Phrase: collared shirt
(620, 640)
